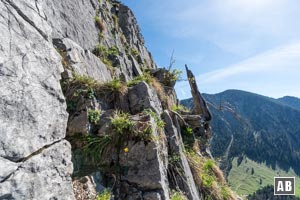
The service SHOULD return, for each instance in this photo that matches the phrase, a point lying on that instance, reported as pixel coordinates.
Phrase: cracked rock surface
(43, 176)
(35, 161)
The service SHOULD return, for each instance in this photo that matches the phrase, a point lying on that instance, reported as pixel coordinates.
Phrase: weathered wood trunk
(200, 107)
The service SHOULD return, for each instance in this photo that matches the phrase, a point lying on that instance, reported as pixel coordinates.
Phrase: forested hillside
(262, 128)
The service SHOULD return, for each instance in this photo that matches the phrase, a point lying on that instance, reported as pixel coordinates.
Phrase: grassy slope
(241, 180)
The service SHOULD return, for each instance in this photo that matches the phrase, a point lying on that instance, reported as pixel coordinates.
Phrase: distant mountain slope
(246, 176)
(262, 128)
(293, 102)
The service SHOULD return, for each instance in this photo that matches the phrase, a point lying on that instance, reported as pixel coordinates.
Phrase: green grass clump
(113, 51)
(122, 123)
(105, 54)
(95, 145)
(127, 128)
(174, 159)
(146, 134)
(86, 81)
(189, 130)
(134, 52)
(209, 178)
(180, 108)
(101, 36)
(171, 77)
(115, 85)
(145, 77)
(209, 165)
(85, 85)
(101, 51)
(178, 196)
(94, 115)
(160, 123)
(105, 195)
(225, 192)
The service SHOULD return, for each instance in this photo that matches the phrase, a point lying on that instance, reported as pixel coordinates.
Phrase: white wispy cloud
(275, 72)
(283, 58)
(251, 45)
(238, 26)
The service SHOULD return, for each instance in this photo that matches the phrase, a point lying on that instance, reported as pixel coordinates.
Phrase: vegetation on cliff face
(112, 127)
(209, 178)
(113, 105)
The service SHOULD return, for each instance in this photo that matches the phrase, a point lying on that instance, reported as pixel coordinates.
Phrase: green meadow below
(250, 176)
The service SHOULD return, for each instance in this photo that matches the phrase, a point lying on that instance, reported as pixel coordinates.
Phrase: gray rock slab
(72, 19)
(82, 61)
(44, 176)
(141, 97)
(32, 107)
(176, 147)
(6, 168)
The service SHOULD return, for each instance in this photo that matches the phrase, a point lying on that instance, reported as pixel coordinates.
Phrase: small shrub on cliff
(189, 130)
(113, 51)
(209, 165)
(209, 178)
(178, 196)
(94, 116)
(121, 122)
(134, 52)
(115, 85)
(145, 77)
(86, 81)
(172, 76)
(105, 195)
(180, 108)
(106, 55)
(160, 123)
(174, 158)
(146, 134)
(100, 51)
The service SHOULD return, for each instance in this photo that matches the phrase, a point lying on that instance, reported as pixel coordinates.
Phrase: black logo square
(284, 185)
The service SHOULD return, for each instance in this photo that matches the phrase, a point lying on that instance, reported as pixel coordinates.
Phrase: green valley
(249, 176)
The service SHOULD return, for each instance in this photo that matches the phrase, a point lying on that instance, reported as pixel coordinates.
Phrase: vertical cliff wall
(86, 112)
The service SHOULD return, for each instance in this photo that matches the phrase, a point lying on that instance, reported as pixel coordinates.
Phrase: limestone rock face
(131, 30)
(43, 176)
(143, 97)
(147, 166)
(72, 19)
(186, 181)
(64, 73)
(33, 112)
(33, 115)
(82, 61)
(6, 168)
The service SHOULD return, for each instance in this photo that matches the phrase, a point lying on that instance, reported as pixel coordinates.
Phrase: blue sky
(252, 45)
